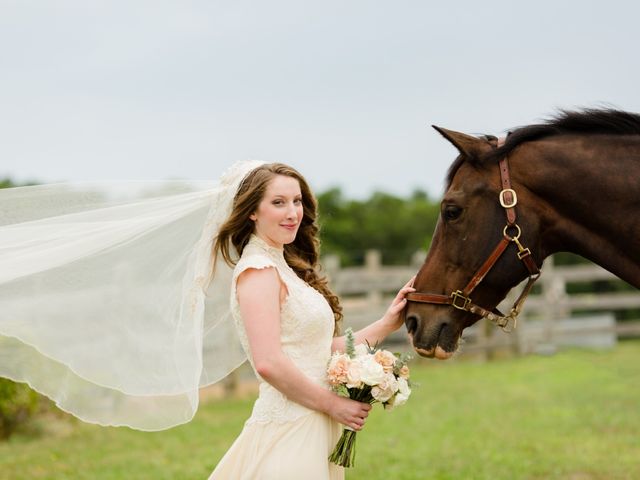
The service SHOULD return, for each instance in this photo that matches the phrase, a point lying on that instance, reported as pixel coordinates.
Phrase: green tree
(396, 226)
(6, 183)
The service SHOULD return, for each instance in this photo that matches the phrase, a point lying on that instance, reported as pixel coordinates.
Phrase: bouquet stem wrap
(344, 453)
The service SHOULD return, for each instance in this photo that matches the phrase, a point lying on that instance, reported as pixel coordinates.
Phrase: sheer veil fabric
(104, 302)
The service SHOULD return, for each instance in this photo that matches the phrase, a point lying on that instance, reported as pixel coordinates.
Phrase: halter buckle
(503, 201)
(457, 295)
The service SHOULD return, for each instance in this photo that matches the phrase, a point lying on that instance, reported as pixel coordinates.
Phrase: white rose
(371, 372)
(403, 386)
(385, 389)
(403, 393)
(361, 350)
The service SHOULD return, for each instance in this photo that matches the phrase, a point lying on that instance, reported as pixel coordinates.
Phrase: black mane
(588, 121)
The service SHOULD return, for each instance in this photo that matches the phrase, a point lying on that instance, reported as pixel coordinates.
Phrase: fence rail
(547, 322)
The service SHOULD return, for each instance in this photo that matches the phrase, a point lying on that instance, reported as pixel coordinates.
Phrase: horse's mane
(587, 121)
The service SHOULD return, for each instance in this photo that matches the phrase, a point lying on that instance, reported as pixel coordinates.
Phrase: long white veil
(103, 305)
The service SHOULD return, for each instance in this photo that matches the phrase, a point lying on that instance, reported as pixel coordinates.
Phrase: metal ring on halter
(516, 236)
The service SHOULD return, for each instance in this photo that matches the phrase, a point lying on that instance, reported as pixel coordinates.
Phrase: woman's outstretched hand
(392, 316)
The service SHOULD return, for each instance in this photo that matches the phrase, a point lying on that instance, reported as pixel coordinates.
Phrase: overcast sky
(345, 90)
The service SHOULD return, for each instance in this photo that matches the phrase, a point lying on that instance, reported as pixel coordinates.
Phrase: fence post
(372, 266)
(554, 292)
(331, 265)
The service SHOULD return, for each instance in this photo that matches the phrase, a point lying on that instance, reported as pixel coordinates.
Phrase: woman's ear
(253, 217)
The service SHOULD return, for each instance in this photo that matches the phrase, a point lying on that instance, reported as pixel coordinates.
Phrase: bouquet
(367, 374)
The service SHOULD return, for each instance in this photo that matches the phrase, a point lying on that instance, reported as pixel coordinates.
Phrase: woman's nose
(291, 211)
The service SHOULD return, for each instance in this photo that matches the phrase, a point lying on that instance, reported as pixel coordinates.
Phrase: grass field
(574, 415)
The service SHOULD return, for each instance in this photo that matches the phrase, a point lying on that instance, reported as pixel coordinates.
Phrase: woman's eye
(451, 212)
(297, 201)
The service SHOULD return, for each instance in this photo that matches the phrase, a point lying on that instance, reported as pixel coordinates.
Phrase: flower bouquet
(366, 374)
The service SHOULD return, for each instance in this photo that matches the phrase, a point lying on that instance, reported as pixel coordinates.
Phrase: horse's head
(470, 232)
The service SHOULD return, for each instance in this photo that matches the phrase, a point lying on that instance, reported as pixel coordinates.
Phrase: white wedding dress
(283, 440)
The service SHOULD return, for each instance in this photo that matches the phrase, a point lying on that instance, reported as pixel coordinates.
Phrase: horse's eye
(451, 212)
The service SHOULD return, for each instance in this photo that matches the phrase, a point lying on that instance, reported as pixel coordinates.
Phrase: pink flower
(386, 359)
(338, 368)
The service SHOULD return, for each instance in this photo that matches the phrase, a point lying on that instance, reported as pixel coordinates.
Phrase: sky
(345, 91)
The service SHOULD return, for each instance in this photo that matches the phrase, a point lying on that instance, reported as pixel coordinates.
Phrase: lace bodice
(306, 331)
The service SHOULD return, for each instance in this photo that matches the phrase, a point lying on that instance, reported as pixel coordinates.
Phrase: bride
(119, 306)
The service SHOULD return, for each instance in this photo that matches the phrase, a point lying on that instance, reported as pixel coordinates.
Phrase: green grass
(574, 415)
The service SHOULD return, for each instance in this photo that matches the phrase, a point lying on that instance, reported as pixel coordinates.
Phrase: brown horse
(571, 184)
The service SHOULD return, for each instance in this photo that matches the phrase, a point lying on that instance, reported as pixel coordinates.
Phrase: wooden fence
(548, 321)
(551, 316)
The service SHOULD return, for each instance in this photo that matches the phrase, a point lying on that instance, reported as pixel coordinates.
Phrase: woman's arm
(380, 329)
(259, 293)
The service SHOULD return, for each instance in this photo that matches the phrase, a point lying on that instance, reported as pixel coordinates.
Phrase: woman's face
(279, 213)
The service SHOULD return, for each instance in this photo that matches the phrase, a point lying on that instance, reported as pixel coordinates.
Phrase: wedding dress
(283, 440)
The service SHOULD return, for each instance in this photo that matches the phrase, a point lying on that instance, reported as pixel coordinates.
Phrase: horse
(568, 184)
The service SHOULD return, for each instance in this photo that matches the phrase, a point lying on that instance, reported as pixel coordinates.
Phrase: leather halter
(460, 299)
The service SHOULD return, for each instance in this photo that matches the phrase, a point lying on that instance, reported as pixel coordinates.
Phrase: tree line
(395, 226)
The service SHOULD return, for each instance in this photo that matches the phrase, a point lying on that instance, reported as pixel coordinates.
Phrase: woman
(287, 317)
(105, 308)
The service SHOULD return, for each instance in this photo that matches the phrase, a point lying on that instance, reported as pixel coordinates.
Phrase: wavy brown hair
(302, 254)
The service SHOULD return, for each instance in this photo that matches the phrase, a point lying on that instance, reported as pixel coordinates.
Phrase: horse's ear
(467, 145)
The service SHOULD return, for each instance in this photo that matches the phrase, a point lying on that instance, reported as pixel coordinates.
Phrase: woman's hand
(350, 413)
(392, 317)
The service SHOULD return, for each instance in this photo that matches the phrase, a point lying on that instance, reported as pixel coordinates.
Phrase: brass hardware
(516, 236)
(522, 252)
(458, 295)
(503, 202)
(506, 327)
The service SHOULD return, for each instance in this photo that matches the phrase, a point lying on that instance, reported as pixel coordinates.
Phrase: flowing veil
(105, 304)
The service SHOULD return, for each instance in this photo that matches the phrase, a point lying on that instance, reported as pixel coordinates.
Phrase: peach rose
(338, 368)
(386, 359)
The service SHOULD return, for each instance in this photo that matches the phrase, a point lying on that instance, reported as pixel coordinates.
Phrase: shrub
(18, 403)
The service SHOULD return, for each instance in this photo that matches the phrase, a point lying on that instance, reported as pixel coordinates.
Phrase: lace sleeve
(258, 262)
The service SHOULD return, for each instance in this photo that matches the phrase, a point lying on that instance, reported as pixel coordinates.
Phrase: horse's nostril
(412, 323)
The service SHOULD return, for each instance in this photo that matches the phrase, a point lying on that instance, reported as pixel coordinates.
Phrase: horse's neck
(590, 191)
